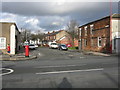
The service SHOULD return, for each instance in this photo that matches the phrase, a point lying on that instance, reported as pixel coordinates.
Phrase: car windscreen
(53, 44)
(31, 45)
(63, 45)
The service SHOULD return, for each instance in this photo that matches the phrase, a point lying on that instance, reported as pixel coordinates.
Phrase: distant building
(102, 35)
(61, 37)
(37, 41)
(9, 34)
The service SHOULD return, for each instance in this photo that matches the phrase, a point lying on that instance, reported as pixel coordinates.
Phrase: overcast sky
(48, 16)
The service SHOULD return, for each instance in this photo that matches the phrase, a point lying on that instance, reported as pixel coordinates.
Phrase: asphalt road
(61, 69)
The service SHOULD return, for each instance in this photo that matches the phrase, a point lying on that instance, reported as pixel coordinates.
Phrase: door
(118, 45)
(80, 45)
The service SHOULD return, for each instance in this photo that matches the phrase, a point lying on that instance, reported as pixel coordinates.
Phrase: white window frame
(85, 42)
(91, 28)
(80, 31)
(99, 38)
(85, 28)
(54, 37)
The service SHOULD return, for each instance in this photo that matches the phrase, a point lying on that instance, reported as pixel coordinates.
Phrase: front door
(80, 45)
(117, 45)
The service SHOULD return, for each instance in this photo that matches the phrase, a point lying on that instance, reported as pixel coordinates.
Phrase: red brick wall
(99, 31)
(75, 42)
(66, 40)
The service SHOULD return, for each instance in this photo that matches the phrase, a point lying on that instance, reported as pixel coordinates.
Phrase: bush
(76, 47)
(73, 48)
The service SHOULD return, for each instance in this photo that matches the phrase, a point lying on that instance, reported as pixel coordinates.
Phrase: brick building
(61, 37)
(99, 35)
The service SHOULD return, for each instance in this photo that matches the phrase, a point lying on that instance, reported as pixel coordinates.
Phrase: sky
(49, 16)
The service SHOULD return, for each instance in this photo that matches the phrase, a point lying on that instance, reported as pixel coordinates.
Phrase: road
(62, 69)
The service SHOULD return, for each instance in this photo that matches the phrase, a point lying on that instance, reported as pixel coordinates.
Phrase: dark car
(63, 47)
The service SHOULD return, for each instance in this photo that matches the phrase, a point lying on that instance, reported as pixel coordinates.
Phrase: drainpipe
(110, 26)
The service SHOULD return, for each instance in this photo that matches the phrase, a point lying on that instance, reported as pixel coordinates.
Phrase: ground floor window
(85, 42)
(114, 43)
(92, 43)
(99, 41)
(2, 43)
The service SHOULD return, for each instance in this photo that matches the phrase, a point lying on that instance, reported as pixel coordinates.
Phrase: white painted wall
(115, 33)
(12, 39)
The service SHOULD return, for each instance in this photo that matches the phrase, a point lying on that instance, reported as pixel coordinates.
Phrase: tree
(25, 35)
(28, 35)
(37, 35)
(72, 28)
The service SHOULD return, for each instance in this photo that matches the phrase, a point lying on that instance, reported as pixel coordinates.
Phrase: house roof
(53, 33)
(11, 24)
(116, 16)
(113, 16)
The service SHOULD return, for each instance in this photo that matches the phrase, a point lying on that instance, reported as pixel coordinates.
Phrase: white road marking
(60, 66)
(82, 57)
(70, 71)
(39, 54)
(10, 71)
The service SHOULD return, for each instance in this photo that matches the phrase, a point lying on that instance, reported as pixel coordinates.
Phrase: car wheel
(60, 49)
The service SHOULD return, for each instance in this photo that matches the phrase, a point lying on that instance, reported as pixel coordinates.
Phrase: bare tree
(72, 28)
(37, 35)
(25, 35)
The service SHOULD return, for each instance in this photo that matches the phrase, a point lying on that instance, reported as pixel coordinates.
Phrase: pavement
(21, 55)
(18, 56)
(93, 53)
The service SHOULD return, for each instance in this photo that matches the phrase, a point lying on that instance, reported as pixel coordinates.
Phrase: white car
(32, 46)
(53, 45)
(36, 45)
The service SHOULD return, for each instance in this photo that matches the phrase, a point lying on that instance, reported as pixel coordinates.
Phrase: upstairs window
(85, 28)
(80, 31)
(91, 28)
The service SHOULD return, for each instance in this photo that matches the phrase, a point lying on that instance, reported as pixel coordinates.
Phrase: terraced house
(102, 35)
(9, 34)
(61, 36)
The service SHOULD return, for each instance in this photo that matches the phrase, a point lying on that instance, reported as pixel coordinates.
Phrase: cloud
(54, 15)
(50, 8)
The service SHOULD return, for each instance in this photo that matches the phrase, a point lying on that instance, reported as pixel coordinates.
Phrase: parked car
(32, 46)
(63, 47)
(36, 45)
(69, 45)
(53, 45)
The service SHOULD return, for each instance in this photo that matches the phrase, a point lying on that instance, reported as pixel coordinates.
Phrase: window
(54, 37)
(85, 42)
(91, 29)
(99, 41)
(2, 43)
(80, 31)
(92, 43)
(85, 28)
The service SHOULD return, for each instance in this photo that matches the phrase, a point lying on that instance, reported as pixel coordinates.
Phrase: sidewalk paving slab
(93, 53)
(7, 57)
